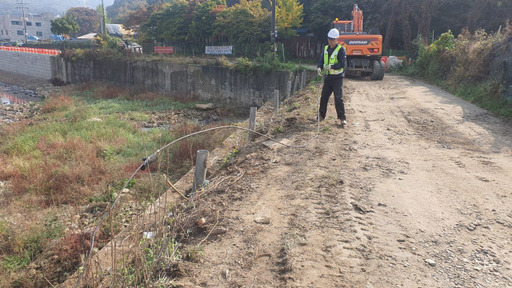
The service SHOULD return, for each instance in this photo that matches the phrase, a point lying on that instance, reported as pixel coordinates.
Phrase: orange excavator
(364, 51)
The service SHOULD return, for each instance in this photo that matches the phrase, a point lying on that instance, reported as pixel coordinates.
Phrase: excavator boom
(357, 15)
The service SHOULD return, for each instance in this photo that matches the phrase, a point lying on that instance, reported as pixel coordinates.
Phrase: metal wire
(146, 162)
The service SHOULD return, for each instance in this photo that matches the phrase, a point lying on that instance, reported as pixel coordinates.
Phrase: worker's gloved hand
(319, 70)
(327, 67)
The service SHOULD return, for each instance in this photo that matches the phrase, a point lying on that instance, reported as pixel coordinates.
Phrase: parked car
(33, 38)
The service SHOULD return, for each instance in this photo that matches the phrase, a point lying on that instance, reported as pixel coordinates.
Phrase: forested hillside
(399, 21)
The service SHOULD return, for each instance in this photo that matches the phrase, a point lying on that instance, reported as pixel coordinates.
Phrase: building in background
(117, 30)
(12, 27)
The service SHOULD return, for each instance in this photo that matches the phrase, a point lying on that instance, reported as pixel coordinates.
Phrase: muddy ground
(414, 192)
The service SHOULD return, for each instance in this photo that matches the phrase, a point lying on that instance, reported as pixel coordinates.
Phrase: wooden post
(276, 101)
(200, 170)
(252, 123)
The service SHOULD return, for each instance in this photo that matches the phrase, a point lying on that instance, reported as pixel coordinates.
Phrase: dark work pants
(331, 85)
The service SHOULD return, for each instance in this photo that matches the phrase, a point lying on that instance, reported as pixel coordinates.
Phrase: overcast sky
(56, 7)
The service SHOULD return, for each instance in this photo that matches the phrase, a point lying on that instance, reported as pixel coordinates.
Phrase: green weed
(25, 246)
(482, 95)
(278, 129)
(293, 107)
(230, 156)
(462, 65)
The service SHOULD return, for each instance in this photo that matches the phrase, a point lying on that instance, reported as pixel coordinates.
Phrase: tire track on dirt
(393, 199)
(434, 152)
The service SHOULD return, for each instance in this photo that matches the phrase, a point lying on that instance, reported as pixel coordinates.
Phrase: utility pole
(22, 7)
(273, 32)
(104, 27)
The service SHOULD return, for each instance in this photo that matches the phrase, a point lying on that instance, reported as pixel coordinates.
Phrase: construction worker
(331, 66)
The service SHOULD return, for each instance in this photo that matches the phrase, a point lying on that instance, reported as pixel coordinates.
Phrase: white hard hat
(333, 33)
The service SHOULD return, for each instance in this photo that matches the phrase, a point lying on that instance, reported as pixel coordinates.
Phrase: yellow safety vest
(332, 60)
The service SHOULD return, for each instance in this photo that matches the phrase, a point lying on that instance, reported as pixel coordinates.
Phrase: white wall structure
(12, 28)
(30, 64)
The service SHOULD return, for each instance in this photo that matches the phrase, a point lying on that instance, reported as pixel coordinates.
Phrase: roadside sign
(219, 50)
(164, 50)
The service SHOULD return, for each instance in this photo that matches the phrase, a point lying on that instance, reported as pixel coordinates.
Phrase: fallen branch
(173, 187)
(208, 234)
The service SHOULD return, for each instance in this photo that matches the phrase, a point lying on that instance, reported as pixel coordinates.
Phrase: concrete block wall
(30, 64)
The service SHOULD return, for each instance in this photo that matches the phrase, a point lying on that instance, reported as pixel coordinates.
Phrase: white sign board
(219, 50)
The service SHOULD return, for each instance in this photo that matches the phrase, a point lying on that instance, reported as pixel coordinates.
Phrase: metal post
(252, 123)
(200, 170)
(296, 84)
(288, 88)
(303, 80)
(276, 101)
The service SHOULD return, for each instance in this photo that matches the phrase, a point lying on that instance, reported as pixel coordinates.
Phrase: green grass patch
(25, 246)
(77, 146)
(111, 99)
(109, 106)
(72, 150)
(485, 95)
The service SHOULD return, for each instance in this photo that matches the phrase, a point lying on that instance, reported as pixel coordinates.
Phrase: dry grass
(473, 55)
(55, 182)
(61, 159)
(57, 103)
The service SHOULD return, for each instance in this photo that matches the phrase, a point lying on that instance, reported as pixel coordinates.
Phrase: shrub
(57, 103)
(434, 61)
(464, 66)
(69, 249)
(474, 56)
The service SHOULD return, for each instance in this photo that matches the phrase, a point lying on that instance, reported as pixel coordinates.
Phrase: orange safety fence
(30, 50)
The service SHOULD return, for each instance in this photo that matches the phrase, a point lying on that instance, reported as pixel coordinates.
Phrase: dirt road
(415, 192)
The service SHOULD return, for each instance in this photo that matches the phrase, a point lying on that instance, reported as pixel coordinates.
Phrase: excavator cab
(364, 51)
(343, 26)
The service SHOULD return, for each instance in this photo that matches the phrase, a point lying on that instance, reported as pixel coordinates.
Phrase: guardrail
(31, 50)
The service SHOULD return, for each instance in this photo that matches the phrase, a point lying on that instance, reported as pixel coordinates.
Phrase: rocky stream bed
(18, 93)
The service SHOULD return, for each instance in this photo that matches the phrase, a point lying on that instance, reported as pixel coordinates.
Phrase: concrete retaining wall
(30, 64)
(207, 83)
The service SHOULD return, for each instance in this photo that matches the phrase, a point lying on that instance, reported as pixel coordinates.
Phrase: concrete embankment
(206, 83)
(186, 81)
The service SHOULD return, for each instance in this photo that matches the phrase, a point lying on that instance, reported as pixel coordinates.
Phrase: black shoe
(343, 122)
